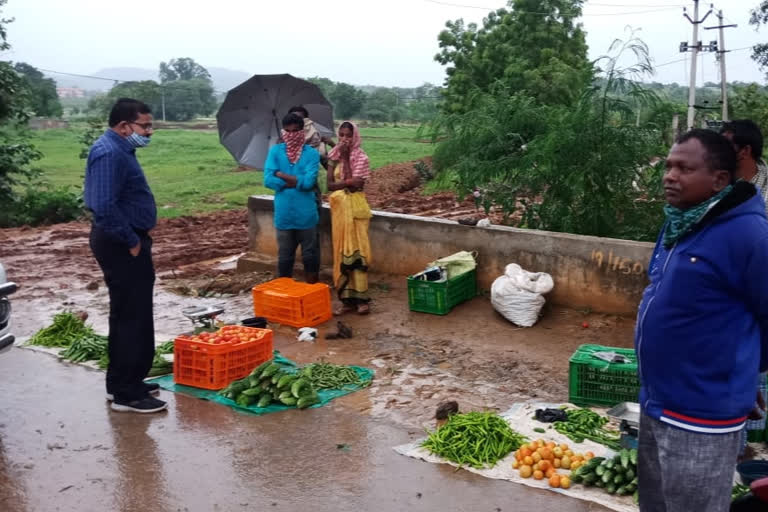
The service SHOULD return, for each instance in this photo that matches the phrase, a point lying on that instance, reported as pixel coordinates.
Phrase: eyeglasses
(145, 126)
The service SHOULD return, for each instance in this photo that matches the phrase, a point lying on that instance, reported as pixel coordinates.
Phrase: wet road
(61, 449)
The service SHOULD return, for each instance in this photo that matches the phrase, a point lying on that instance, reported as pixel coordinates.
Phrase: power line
(686, 58)
(116, 80)
(661, 8)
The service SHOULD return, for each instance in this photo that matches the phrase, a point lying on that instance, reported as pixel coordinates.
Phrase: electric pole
(162, 95)
(721, 57)
(695, 48)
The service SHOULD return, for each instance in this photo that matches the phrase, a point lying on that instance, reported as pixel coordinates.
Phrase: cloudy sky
(388, 43)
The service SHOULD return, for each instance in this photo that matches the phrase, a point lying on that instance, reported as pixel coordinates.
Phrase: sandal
(343, 309)
(363, 309)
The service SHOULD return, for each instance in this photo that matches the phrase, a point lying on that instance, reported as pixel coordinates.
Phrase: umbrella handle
(277, 125)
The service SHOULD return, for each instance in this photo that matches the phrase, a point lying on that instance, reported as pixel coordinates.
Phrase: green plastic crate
(593, 381)
(438, 298)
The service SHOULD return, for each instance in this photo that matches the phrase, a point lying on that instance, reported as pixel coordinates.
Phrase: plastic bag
(457, 264)
(519, 295)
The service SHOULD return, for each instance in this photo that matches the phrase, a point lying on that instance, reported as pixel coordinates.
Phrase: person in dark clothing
(123, 207)
(702, 329)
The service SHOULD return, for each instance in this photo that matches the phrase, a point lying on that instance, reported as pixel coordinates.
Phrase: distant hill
(223, 79)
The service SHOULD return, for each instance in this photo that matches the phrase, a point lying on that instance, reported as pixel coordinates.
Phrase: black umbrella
(250, 118)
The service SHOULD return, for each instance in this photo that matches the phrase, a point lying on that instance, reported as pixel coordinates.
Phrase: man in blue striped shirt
(123, 207)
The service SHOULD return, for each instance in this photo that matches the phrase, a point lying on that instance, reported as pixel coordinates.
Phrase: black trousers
(130, 281)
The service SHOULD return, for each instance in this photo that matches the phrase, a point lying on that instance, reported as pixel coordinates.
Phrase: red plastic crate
(207, 366)
(285, 301)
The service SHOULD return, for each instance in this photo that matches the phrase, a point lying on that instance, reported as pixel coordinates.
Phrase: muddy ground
(62, 450)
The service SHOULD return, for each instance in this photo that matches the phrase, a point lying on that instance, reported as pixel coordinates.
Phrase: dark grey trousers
(681, 471)
(288, 240)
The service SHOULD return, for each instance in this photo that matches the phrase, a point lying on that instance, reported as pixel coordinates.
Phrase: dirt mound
(394, 179)
(54, 257)
(397, 188)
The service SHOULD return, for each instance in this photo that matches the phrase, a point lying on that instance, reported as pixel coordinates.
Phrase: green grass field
(190, 172)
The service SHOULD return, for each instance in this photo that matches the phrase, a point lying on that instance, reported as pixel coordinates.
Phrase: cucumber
(270, 370)
(600, 470)
(619, 479)
(298, 388)
(590, 479)
(285, 394)
(265, 400)
(257, 371)
(624, 458)
(607, 477)
(285, 381)
(599, 483)
(306, 401)
(633, 457)
(288, 400)
(630, 474)
(252, 392)
(609, 464)
(622, 491)
(610, 489)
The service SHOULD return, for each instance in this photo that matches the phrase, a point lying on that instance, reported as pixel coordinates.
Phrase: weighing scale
(627, 414)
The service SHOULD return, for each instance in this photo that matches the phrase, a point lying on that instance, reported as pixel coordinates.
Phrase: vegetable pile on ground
(540, 460)
(91, 347)
(617, 475)
(332, 376)
(160, 365)
(476, 439)
(585, 424)
(81, 343)
(272, 382)
(66, 329)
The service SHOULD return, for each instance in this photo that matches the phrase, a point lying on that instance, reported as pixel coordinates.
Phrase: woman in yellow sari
(348, 170)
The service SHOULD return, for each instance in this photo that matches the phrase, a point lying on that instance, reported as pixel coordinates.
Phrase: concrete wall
(604, 274)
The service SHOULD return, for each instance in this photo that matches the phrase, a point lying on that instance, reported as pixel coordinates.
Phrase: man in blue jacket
(291, 171)
(701, 329)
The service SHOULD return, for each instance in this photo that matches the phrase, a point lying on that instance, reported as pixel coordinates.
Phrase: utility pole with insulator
(694, 48)
(721, 57)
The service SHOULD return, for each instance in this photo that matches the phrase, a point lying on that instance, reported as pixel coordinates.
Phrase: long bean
(331, 376)
(476, 439)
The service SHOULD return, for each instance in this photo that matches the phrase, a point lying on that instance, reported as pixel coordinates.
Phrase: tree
(187, 99)
(44, 98)
(182, 69)
(536, 47)
(185, 90)
(16, 152)
(751, 102)
(383, 105)
(582, 168)
(348, 100)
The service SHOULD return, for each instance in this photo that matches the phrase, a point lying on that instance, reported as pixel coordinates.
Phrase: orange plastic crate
(207, 366)
(285, 301)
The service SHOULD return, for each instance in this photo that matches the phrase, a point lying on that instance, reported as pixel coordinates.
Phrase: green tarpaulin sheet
(326, 395)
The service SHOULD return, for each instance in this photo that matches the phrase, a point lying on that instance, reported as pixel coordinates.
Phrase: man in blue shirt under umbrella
(123, 207)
